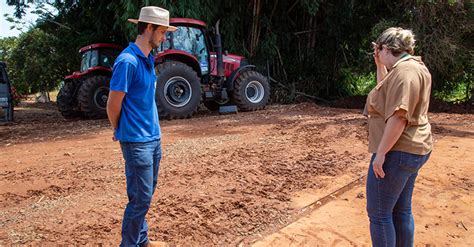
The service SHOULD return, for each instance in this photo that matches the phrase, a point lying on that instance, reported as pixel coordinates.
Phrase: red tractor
(85, 92)
(190, 68)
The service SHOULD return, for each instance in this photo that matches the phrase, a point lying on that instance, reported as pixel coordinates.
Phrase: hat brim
(169, 28)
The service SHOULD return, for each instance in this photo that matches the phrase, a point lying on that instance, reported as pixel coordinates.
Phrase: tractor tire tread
(65, 102)
(239, 95)
(85, 103)
(162, 112)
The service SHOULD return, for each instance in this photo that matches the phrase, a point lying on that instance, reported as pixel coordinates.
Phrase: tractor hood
(231, 63)
(232, 58)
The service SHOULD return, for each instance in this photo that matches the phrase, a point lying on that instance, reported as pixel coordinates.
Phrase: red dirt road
(223, 179)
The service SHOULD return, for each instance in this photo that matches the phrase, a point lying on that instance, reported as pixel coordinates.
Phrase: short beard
(152, 44)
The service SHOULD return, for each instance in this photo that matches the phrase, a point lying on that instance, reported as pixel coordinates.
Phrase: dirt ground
(267, 178)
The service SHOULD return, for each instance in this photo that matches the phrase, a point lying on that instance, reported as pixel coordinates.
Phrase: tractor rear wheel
(178, 90)
(93, 95)
(251, 91)
(66, 102)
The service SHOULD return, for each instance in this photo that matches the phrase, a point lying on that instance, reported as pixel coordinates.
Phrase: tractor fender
(230, 80)
(91, 71)
(179, 56)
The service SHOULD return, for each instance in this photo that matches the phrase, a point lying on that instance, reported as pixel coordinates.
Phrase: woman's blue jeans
(389, 199)
(142, 161)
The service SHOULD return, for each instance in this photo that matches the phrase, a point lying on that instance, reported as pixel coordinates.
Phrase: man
(133, 115)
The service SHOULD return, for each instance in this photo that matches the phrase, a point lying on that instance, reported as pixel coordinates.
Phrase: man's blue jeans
(389, 199)
(142, 161)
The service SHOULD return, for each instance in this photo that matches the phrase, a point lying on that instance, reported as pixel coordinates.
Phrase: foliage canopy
(317, 47)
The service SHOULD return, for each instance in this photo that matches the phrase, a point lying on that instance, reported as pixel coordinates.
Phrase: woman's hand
(376, 55)
(392, 132)
(381, 69)
(377, 165)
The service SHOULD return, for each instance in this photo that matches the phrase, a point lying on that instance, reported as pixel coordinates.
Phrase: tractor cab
(190, 39)
(99, 55)
(198, 42)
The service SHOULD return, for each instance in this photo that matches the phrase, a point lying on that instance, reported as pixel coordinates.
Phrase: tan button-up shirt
(407, 86)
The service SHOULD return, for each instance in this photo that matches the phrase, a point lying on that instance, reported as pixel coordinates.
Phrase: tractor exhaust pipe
(218, 47)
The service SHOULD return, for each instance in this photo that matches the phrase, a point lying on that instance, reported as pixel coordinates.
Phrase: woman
(399, 136)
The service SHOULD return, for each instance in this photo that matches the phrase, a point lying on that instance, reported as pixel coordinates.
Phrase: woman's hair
(397, 40)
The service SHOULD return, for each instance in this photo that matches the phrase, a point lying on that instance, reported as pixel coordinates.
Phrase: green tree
(33, 62)
(6, 47)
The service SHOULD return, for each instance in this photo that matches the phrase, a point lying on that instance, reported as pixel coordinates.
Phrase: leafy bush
(359, 84)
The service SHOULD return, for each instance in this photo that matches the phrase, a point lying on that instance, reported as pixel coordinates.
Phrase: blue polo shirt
(134, 74)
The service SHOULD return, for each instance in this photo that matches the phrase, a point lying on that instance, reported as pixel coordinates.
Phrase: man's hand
(114, 108)
(377, 165)
(113, 136)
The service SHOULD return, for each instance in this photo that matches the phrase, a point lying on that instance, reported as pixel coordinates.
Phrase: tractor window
(192, 41)
(167, 44)
(4, 88)
(2, 76)
(89, 59)
(107, 57)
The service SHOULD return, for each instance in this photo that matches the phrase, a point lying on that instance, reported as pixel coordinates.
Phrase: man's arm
(114, 107)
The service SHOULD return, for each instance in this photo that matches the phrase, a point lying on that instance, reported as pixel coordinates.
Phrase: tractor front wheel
(93, 95)
(66, 102)
(178, 90)
(251, 91)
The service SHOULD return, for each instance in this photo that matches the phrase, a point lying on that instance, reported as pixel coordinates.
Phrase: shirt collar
(139, 52)
(404, 58)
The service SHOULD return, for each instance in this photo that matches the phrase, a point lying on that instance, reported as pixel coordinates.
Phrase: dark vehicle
(190, 68)
(85, 92)
(6, 99)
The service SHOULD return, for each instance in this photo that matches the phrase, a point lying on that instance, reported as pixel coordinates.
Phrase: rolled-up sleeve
(402, 94)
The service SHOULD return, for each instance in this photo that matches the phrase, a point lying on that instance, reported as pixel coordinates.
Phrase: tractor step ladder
(228, 109)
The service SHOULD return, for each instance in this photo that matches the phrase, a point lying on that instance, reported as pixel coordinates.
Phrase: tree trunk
(256, 28)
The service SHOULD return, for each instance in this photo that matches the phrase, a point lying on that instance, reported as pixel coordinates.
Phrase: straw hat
(155, 15)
